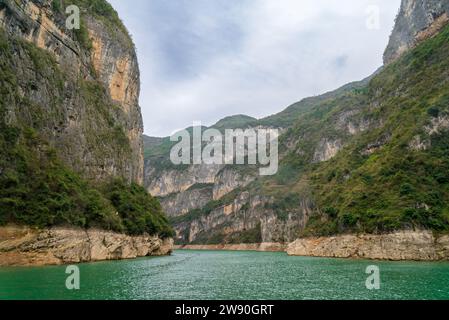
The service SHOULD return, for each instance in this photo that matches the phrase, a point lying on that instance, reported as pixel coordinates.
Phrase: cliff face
(224, 204)
(417, 20)
(86, 105)
(71, 147)
(368, 158)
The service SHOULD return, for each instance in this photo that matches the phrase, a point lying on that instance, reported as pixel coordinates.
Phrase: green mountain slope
(396, 175)
(392, 175)
(290, 115)
(372, 158)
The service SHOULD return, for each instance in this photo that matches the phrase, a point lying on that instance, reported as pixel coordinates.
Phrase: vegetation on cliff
(379, 181)
(100, 9)
(37, 186)
(389, 169)
(397, 185)
(37, 189)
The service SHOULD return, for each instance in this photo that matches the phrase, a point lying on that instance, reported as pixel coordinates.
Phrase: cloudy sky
(202, 60)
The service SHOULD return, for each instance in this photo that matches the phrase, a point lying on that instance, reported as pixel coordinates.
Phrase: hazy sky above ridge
(202, 60)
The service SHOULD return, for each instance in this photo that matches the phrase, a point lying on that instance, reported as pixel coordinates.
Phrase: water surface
(229, 275)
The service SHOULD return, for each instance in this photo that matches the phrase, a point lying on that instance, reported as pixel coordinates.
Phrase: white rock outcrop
(27, 246)
(404, 245)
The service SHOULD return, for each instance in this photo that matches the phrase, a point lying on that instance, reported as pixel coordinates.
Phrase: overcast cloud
(202, 60)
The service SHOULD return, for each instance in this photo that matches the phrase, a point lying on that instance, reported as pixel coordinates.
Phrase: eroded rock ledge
(399, 246)
(405, 245)
(265, 247)
(22, 246)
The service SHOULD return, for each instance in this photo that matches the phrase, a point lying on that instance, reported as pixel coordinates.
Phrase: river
(220, 275)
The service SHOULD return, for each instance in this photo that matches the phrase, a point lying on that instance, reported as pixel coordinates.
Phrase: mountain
(71, 150)
(369, 158)
(416, 21)
(184, 191)
(235, 122)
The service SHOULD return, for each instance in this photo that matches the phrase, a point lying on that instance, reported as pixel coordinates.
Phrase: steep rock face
(181, 191)
(245, 219)
(262, 247)
(88, 104)
(326, 150)
(227, 181)
(417, 21)
(26, 246)
(71, 137)
(180, 203)
(167, 182)
(234, 212)
(359, 160)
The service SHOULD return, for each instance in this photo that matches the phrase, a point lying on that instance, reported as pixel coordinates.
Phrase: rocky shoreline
(23, 246)
(263, 247)
(398, 246)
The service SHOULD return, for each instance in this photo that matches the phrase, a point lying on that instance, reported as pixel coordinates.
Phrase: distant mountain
(370, 157)
(151, 142)
(237, 121)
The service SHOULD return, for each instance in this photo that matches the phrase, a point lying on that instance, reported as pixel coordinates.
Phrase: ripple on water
(230, 275)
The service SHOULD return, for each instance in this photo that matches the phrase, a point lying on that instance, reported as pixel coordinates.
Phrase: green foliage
(56, 6)
(36, 187)
(82, 35)
(235, 122)
(103, 11)
(433, 112)
(406, 189)
(396, 187)
(139, 211)
(249, 236)
(283, 205)
(331, 212)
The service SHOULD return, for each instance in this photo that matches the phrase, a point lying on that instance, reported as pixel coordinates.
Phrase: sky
(203, 60)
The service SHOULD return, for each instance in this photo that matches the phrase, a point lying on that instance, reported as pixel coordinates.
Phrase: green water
(230, 275)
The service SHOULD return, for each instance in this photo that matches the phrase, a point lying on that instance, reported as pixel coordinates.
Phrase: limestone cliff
(87, 106)
(417, 20)
(71, 147)
(218, 204)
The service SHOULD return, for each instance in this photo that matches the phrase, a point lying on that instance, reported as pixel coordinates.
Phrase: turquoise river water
(229, 275)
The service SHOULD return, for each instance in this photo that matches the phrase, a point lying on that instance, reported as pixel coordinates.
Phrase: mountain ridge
(328, 149)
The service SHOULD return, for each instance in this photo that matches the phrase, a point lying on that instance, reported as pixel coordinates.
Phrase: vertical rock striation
(417, 20)
(87, 106)
(71, 138)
